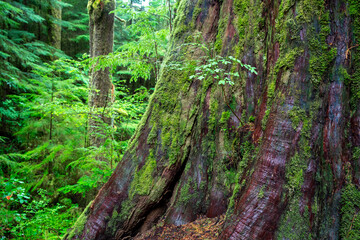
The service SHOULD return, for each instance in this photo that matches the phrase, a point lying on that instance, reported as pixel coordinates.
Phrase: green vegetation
(48, 171)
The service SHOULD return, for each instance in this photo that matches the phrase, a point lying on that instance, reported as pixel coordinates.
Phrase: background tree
(290, 171)
(101, 43)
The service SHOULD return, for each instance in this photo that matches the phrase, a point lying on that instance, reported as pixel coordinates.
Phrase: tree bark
(101, 43)
(288, 175)
(54, 28)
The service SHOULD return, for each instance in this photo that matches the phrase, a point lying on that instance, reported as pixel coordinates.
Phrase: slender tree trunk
(54, 35)
(170, 17)
(101, 43)
(54, 30)
(293, 175)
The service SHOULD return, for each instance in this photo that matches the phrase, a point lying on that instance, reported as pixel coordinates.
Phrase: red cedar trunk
(288, 174)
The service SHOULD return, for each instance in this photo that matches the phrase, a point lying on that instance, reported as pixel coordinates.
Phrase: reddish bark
(198, 155)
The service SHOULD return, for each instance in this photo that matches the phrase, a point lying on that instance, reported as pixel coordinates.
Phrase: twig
(120, 19)
(347, 235)
(348, 50)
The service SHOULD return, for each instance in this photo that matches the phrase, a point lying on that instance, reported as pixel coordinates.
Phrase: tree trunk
(101, 43)
(54, 30)
(291, 174)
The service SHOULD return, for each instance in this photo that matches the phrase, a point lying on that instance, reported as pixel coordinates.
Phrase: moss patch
(350, 213)
(79, 224)
(143, 180)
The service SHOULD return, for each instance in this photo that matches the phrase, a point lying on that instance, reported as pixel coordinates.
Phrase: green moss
(288, 60)
(113, 221)
(261, 192)
(175, 149)
(350, 214)
(105, 5)
(225, 116)
(297, 115)
(294, 173)
(223, 22)
(321, 54)
(196, 13)
(354, 53)
(143, 180)
(152, 135)
(79, 225)
(166, 137)
(248, 20)
(271, 90)
(247, 152)
(180, 19)
(188, 192)
(241, 8)
(293, 225)
(180, 30)
(235, 194)
(309, 9)
(265, 119)
(213, 118)
(126, 207)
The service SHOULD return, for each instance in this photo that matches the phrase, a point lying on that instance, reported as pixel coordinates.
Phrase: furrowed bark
(291, 173)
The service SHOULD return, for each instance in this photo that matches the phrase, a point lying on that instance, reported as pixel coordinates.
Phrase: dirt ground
(203, 228)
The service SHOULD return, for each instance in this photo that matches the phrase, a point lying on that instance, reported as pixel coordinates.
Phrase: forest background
(48, 169)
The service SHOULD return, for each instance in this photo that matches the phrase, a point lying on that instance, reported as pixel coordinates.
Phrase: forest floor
(203, 228)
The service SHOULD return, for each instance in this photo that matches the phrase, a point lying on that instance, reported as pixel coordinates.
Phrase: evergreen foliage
(48, 172)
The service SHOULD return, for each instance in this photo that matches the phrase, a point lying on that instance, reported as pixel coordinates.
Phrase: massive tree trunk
(101, 43)
(291, 174)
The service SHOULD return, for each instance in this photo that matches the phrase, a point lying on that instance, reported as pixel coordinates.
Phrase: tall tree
(54, 29)
(278, 152)
(101, 43)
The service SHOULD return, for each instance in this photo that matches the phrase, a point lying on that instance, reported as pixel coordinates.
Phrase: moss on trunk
(290, 170)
